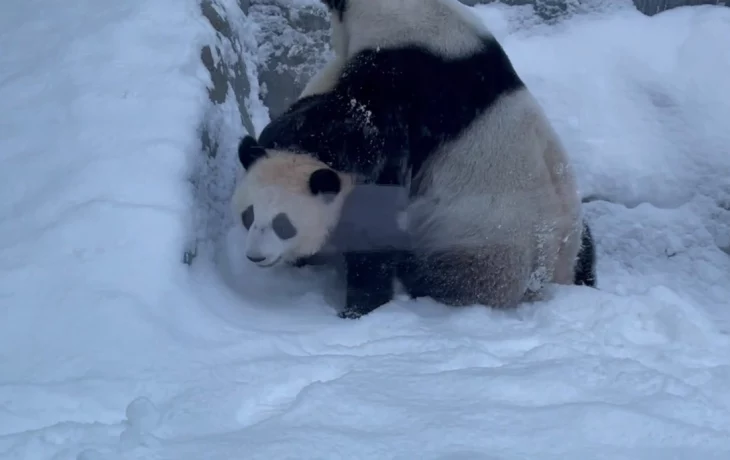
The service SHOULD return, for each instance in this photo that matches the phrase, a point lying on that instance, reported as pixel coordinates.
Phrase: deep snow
(111, 348)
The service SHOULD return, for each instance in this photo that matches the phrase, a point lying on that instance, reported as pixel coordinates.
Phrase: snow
(112, 348)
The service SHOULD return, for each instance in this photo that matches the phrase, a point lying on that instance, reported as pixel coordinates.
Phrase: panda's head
(288, 203)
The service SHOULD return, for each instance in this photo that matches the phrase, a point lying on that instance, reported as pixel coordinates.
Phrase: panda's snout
(262, 247)
(261, 260)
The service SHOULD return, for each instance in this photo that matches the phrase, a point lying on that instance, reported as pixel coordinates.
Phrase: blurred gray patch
(369, 219)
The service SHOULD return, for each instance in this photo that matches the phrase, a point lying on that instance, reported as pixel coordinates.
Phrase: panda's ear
(325, 182)
(249, 151)
(336, 5)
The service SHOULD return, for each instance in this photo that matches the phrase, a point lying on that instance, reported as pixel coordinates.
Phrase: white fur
(324, 80)
(445, 27)
(523, 195)
(279, 183)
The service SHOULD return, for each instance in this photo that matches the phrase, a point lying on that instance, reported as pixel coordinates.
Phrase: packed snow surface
(111, 348)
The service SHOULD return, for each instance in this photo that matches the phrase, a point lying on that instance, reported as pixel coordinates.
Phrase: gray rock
(550, 9)
(227, 72)
(229, 93)
(652, 7)
(293, 44)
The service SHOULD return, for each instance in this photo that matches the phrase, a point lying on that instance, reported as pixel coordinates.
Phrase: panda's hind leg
(585, 264)
(496, 276)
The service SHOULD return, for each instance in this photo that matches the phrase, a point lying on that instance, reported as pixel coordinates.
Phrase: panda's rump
(471, 249)
(496, 275)
(488, 213)
(492, 182)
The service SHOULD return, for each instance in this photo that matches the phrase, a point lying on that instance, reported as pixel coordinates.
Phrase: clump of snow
(112, 348)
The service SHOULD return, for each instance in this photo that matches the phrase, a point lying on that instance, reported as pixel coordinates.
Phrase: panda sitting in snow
(423, 97)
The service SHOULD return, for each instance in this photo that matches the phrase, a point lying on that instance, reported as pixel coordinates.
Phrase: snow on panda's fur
(421, 95)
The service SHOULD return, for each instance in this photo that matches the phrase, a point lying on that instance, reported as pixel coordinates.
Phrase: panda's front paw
(300, 262)
(349, 314)
(361, 303)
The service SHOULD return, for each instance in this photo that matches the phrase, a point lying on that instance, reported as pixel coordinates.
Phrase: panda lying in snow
(423, 97)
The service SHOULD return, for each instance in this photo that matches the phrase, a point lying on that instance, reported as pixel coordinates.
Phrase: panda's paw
(360, 302)
(349, 314)
(299, 263)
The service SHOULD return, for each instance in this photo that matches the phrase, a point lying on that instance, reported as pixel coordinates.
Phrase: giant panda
(326, 78)
(422, 96)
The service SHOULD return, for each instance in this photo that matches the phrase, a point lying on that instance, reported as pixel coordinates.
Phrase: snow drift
(133, 329)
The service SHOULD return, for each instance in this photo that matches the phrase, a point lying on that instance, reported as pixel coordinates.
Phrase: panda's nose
(255, 259)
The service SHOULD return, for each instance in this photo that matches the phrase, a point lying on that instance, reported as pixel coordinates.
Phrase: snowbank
(112, 348)
(101, 105)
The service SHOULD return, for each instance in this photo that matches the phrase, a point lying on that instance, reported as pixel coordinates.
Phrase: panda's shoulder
(289, 128)
(316, 126)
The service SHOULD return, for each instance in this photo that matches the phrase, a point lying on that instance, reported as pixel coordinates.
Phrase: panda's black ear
(324, 181)
(337, 6)
(249, 151)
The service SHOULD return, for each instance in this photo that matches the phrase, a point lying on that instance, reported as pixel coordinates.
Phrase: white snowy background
(112, 348)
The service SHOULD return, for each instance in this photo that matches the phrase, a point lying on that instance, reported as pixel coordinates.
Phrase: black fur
(390, 110)
(282, 226)
(324, 181)
(249, 151)
(337, 7)
(585, 267)
(247, 217)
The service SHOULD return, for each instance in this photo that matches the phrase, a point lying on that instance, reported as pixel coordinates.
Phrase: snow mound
(112, 348)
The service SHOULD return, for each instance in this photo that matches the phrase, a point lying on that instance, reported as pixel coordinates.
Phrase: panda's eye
(283, 227)
(247, 217)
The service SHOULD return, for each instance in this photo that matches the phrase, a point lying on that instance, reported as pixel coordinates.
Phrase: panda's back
(427, 98)
(395, 105)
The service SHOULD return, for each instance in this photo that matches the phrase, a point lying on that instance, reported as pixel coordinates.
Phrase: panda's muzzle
(263, 261)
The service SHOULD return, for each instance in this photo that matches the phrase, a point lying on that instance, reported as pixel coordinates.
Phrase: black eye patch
(283, 227)
(247, 217)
